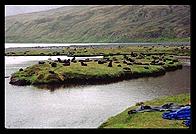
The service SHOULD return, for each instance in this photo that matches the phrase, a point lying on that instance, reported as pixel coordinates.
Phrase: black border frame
(89, 2)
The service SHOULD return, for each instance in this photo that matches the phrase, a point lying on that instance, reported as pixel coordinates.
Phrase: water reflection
(53, 87)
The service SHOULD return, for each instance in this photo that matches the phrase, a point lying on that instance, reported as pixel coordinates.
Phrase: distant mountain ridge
(123, 23)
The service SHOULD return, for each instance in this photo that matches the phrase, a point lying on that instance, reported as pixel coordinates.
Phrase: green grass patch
(148, 119)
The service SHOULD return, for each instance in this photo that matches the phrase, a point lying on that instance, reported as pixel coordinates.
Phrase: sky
(19, 9)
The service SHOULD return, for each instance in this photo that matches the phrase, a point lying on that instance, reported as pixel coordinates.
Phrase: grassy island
(110, 68)
(148, 119)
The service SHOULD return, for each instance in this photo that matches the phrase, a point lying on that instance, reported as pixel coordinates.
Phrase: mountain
(105, 23)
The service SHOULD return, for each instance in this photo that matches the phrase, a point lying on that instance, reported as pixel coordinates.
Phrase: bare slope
(100, 24)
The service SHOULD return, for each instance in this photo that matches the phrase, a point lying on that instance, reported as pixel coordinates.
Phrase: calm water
(8, 45)
(82, 106)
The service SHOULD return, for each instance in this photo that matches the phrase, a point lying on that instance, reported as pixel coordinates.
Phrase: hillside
(100, 24)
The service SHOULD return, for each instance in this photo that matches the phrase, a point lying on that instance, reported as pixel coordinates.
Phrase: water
(9, 45)
(22, 59)
(82, 106)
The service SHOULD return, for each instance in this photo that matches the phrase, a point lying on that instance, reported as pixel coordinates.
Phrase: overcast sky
(17, 9)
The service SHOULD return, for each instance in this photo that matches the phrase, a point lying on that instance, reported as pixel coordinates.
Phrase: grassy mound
(148, 119)
(39, 74)
(93, 73)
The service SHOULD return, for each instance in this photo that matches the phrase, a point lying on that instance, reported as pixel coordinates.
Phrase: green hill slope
(100, 24)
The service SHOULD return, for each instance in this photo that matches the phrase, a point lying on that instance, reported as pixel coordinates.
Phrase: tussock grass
(40, 73)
